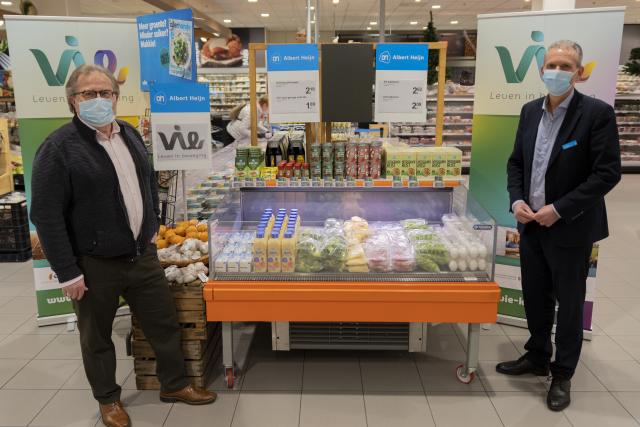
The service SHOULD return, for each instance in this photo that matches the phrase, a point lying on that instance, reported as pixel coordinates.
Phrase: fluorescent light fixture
(227, 21)
(6, 3)
(216, 34)
(424, 28)
(373, 23)
(203, 39)
(312, 7)
(253, 1)
(418, 1)
(313, 22)
(453, 22)
(436, 6)
(264, 15)
(368, 28)
(413, 23)
(1, 22)
(336, 1)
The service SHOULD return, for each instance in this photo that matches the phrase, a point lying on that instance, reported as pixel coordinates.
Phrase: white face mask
(558, 82)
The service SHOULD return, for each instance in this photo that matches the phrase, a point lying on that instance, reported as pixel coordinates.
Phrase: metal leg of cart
(227, 353)
(466, 373)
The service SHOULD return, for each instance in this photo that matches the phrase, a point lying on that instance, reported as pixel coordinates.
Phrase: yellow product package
(454, 162)
(408, 164)
(424, 161)
(439, 161)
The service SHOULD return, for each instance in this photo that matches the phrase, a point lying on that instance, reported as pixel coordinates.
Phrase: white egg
(473, 251)
(453, 266)
(462, 265)
(453, 252)
(482, 250)
(482, 265)
(462, 252)
(473, 265)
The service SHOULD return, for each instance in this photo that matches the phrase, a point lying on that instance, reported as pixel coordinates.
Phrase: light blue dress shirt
(548, 130)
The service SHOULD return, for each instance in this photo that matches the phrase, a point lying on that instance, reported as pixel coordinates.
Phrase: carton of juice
(274, 248)
(424, 161)
(454, 162)
(408, 162)
(288, 259)
(393, 161)
(259, 254)
(439, 161)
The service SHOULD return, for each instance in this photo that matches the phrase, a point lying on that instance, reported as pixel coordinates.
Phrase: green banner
(511, 303)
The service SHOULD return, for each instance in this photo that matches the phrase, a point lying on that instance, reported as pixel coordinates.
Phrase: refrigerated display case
(393, 257)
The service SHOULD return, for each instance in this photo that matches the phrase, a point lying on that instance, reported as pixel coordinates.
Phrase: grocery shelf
(416, 276)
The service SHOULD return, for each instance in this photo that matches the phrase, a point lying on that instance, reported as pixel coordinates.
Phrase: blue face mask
(558, 82)
(97, 112)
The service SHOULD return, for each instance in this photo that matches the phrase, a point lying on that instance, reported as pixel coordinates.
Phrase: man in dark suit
(565, 159)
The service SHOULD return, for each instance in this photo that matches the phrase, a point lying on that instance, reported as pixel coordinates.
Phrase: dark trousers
(552, 273)
(143, 285)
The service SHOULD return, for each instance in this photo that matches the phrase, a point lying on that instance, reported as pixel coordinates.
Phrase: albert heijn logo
(188, 140)
(385, 57)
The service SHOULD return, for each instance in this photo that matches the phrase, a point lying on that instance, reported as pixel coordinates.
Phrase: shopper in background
(566, 158)
(95, 208)
(239, 128)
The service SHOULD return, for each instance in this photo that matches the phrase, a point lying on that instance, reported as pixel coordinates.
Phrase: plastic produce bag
(334, 252)
(309, 255)
(413, 224)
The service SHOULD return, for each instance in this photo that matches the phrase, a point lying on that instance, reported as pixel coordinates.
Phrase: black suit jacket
(578, 176)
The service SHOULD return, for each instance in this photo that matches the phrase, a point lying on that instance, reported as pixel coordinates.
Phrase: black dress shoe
(522, 366)
(559, 396)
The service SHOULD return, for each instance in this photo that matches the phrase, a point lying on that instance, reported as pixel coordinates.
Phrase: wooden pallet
(200, 330)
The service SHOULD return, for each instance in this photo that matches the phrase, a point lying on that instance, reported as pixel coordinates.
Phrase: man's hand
(546, 216)
(75, 290)
(523, 213)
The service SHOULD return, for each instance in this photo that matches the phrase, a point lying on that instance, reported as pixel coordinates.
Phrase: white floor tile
(440, 329)
(583, 380)
(5, 300)
(630, 344)
(494, 381)
(332, 409)
(445, 347)
(7, 269)
(390, 375)
(23, 346)
(440, 375)
(10, 367)
(30, 327)
(447, 410)
(603, 348)
(526, 410)
(515, 331)
(619, 324)
(19, 407)
(20, 305)
(331, 372)
(629, 305)
(619, 290)
(219, 413)
(267, 409)
(78, 381)
(62, 347)
(281, 371)
(14, 289)
(631, 402)
(397, 410)
(589, 409)
(145, 408)
(497, 347)
(622, 375)
(10, 322)
(43, 375)
(69, 408)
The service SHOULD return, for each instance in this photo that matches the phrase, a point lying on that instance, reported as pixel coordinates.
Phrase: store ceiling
(347, 15)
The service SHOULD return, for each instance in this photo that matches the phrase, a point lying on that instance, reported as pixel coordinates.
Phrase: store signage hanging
(293, 83)
(401, 82)
(167, 49)
(181, 126)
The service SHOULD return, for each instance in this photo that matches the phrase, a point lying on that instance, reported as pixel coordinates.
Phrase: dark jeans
(550, 273)
(143, 285)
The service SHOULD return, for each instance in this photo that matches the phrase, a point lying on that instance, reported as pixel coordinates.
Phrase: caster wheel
(229, 378)
(464, 379)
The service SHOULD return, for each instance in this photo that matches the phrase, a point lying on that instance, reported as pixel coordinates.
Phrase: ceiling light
(312, 7)
(368, 28)
(413, 23)
(264, 15)
(6, 3)
(424, 28)
(253, 1)
(227, 21)
(373, 23)
(336, 1)
(1, 22)
(453, 22)
(216, 34)
(313, 22)
(418, 1)
(436, 6)
(203, 39)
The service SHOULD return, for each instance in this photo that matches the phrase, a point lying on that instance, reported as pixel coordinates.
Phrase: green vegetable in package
(436, 251)
(334, 253)
(425, 263)
(309, 257)
(414, 224)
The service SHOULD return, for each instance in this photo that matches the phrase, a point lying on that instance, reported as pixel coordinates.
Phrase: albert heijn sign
(181, 126)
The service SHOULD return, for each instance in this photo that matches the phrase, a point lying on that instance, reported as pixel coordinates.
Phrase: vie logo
(537, 51)
(193, 141)
(74, 56)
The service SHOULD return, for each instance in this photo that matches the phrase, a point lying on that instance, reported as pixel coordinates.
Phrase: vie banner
(510, 53)
(44, 53)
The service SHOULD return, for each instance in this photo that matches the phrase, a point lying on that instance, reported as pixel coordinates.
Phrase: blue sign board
(292, 57)
(167, 49)
(180, 98)
(402, 56)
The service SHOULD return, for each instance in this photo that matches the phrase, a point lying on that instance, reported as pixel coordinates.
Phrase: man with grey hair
(566, 158)
(95, 207)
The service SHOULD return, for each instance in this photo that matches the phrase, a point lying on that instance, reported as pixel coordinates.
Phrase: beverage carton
(424, 161)
(439, 161)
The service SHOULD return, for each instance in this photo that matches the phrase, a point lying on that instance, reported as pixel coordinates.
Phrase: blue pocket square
(569, 144)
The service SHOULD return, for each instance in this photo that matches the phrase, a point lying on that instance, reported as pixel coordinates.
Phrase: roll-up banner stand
(510, 53)
(44, 53)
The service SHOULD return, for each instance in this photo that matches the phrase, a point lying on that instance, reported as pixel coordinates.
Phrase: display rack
(627, 109)
(230, 87)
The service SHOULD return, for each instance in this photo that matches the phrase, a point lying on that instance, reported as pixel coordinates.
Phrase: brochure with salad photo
(180, 36)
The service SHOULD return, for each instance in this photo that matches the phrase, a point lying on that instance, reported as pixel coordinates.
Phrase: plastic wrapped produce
(309, 256)
(435, 250)
(421, 234)
(425, 263)
(334, 252)
(401, 254)
(414, 223)
(377, 252)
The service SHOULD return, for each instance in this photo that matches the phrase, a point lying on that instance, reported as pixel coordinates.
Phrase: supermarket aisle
(42, 382)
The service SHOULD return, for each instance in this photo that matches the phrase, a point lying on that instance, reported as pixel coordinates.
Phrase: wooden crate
(200, 330)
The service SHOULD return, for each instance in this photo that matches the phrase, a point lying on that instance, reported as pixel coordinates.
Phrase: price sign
(401, 82)
(293, 83)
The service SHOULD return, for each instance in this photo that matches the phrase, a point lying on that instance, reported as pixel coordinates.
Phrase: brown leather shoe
(114, 415)
(190, 395)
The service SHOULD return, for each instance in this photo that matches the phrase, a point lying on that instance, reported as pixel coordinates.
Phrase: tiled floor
(42, 382)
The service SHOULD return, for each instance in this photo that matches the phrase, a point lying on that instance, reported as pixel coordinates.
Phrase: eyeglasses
(91, 94)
